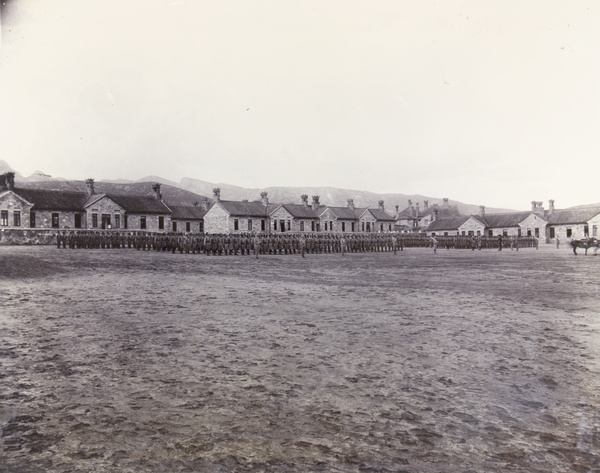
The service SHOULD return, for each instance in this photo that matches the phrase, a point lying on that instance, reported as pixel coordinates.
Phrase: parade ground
(119, 360)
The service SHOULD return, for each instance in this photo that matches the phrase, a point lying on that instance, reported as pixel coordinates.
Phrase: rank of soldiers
(279, 243)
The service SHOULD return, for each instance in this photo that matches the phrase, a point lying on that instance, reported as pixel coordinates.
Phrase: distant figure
(499, 242)
(557, 242)
(434, 243)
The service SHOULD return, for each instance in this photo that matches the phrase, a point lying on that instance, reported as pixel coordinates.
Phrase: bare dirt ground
(127, 361)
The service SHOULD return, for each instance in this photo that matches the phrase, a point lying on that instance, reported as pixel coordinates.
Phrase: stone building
(297, 217)
(376, 220)
(341, 219)
(574, 224)
(227, 216)
(467, 225)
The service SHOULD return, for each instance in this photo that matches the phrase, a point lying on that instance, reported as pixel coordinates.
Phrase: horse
(586, 243)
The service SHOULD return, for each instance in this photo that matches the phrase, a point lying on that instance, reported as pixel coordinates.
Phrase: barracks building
(26, 208)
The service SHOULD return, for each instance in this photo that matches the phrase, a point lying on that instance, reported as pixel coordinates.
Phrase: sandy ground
(127, 361)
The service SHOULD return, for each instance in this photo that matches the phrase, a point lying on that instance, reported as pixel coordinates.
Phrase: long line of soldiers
(278, 243)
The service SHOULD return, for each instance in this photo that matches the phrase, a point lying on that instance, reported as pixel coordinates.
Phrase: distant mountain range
(190, 191)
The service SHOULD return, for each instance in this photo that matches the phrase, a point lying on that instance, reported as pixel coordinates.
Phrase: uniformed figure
(434, 243)
(257, 241)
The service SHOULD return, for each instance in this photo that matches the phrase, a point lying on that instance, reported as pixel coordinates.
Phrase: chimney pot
(304, 198)
(482, 211)
(426, 204)
(351, 204)
(156, 189)
(217, 194)
(381, 206)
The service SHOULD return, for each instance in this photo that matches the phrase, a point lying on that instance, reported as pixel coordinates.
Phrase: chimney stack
(304, 198)
(217, 194)
(2, 181)
(397, 212)
(315, 202)
(426, 204)
(10, 180)
(482, 211)
(351, 204)
(446, 204)
(417, 210)
(156, 189)
(550, 206)
(381, 206)
(264, 198)
(436, 211)
(89, 183)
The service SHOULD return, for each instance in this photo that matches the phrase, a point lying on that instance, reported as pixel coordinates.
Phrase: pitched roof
(343, 213)
(140, 204)
(187, 212)
(452, 223)
(504, 220)
(382, 215)
(52, 199)
(300, 211)
(246, 209)
(572, 216)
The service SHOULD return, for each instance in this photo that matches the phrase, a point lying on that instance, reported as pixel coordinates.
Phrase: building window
(236, 224)
(201, 226)
(353, 227)
(4, 218)
(325, 226)
(32, 220)
(529, 232)
(106, 221)
(491, 233)
(249, 224)
(55, 221)
(117, 221)
(77, 220)
(537, 232)
(463, 233)
(142, 223)
(17, 218)
(343, 226)
(445, 233)
(161, 223)
(390, 227)
(174, 225)
(381, 227)
(569, 232)
(94, 220)
(302, 225)
(312, 227)
(188, 227)
(125, 221)
(363, 225)
(594, 230)
(586, 230)
(551, 232)
(368, 226)
(263, 225)
(289, 225)
(504, 232)
(318, 226)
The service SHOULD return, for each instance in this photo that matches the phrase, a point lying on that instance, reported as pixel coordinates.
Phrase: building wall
(329, 217)
(290, 224)
(367, 218)
(10, 203)
(472, 225)
(531, 223)
(105, 206)
(133, 222)
(66, 219)
(196, 226)
(217, 220)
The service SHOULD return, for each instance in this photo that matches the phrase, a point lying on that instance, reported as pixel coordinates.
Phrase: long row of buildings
(26, 208)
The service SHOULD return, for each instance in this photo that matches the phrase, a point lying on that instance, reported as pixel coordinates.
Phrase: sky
(492, 103)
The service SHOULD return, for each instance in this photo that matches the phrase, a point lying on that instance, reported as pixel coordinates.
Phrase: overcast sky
(486, 102)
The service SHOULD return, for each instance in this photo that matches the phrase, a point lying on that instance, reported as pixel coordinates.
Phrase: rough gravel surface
(129, 361)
